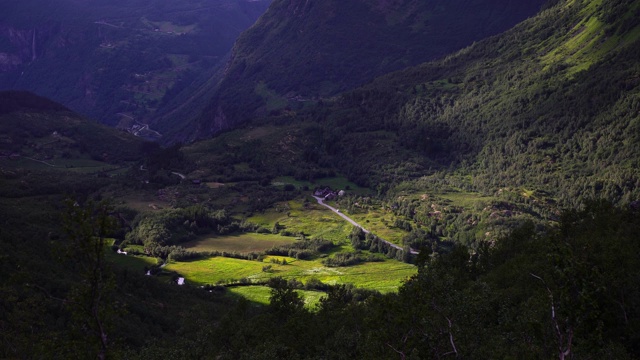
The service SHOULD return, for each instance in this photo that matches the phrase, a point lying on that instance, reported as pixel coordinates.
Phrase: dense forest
(555, 113)
(299, 52)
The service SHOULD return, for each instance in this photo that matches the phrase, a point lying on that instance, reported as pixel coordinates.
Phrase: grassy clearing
(309, 218)
(143, 202)
(169, 27)
(243, 243)
(261, 294)
(273, 100)
(467, 200)
(380, 223)
(384, 276)
(130, 262)
(215, 269)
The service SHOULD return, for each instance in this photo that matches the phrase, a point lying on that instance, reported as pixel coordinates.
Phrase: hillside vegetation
(301, 51)
(541, 107)
(47, 132)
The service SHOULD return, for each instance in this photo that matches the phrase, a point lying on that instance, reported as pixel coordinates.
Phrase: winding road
(350, 220)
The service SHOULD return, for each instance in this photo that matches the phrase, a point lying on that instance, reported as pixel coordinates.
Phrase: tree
(87, 227)
(284, 300)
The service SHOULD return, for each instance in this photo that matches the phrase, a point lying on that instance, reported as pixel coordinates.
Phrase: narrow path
(350, 220)
(177, 173)
(40, 161)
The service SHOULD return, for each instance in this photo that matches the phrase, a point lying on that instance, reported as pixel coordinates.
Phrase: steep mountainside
(116, 61)
(553, 104)
(301, 50)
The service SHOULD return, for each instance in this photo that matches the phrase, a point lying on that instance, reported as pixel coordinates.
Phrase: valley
(118, 63)
(346, 180)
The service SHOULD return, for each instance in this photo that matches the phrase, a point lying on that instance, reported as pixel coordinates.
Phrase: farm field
(384, 276)
(260, 295)
(307, 217)
(377, 221)
(244, 243)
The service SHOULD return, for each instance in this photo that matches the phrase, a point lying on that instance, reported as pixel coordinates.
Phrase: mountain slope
(300, 50)
(552, 104)
(45, 132)
(116, 61)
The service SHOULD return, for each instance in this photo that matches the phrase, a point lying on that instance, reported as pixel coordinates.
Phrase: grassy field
(309, 218)
(384, 276)
(379, 223)
(467, 200)
(303, 215)
(130, 262)
(261, 294)
(141, 201)
(243, 243)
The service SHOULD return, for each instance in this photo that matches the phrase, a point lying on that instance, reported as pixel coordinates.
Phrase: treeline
(304, 249)
(175, 226)
(368, 241)
(350, 259)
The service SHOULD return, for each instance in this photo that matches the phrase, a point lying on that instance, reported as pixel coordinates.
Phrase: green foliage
(86, 227)
(339, 45)
(533, 108)
(571, 290)
(462, 153)
(171, 227)
(38, 128)
(304, 249)
(284, 301)
(349, 259)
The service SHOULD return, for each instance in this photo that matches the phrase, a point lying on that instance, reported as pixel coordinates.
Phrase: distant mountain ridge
(116, 61)
(302, 51)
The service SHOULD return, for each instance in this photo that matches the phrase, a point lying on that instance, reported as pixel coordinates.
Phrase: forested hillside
(300, 51)
(41, 130)
(551, 105)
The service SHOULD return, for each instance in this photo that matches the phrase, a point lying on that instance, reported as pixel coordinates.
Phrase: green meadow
(260, 294)
(306, 217)
(130, 262)
(385, 276)
(243, 243)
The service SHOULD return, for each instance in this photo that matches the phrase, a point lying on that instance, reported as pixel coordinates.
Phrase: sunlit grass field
(384, 276)
(260, 295)
(311, 219)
